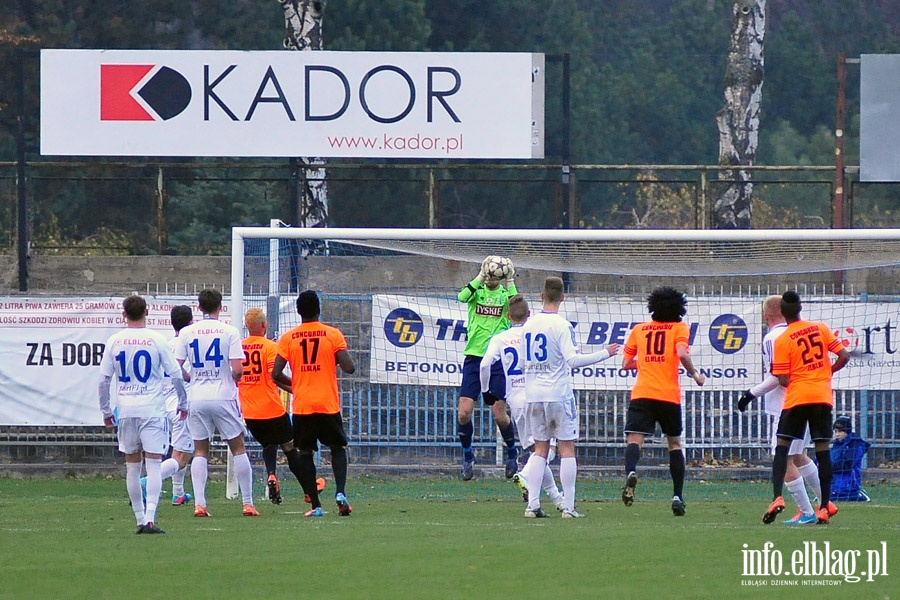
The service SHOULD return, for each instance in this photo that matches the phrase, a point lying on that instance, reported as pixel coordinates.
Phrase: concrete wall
(119, 275)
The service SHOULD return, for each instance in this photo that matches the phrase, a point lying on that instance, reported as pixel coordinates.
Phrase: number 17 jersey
(310, 350)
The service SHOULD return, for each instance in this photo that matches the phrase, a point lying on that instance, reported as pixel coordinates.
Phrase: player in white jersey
(506, 347)
(180, 440)
(213, 351)
(801, 470)
(137, 359)
(550, 355)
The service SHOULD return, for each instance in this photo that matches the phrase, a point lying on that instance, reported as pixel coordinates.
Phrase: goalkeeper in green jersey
(488, 302)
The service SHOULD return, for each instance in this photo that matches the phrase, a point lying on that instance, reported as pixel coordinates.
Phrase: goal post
(392, 291)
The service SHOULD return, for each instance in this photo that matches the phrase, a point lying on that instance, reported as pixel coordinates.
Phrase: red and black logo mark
(167, 93)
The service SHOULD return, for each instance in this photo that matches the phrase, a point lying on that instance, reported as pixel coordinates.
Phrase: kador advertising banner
(283, 103)
(420, 341)
(51, 350)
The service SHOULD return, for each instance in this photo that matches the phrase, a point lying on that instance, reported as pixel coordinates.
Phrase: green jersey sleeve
(487, 314)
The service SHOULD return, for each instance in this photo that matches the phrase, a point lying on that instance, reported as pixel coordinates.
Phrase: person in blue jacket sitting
(847, 452)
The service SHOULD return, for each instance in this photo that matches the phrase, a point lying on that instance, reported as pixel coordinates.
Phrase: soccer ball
(496, 267)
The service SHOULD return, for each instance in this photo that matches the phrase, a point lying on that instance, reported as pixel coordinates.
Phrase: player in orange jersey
(261, 404)
(802, 365)
(657, 348)
(314, 350)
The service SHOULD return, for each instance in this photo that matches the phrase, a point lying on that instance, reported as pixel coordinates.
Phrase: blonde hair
(771, 306)
(254, 317)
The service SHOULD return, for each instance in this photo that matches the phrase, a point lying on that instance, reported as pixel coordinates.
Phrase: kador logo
(127, 94)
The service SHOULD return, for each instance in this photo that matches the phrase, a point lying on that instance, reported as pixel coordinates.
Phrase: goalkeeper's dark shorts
(793, 422)
(644, 413)
(471, 379)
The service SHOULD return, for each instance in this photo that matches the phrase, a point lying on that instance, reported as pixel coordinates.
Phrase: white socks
(199, 475)
(797, 489)
(568, 469)
(154, 487)
(133, 485)
(244, 473)
(534, 478)
(810, 474)
(178, 482)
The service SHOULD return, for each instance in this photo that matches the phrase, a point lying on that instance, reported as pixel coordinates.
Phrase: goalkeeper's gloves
(512, 272)
(489, 398)
(745, 400)
(482, 274)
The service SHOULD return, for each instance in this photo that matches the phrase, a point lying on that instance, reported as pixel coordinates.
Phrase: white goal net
(393, 294)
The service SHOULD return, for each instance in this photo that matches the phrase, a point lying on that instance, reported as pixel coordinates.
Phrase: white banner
(50, 355)
(420, 341)
(284, 103)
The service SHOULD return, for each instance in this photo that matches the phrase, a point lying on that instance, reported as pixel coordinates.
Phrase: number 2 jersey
(802, 352)
(653, 344)
(209, 346)
(310, 350)
(137, 359)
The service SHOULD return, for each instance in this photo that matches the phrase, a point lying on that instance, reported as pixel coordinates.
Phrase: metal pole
(839, 173)
(568, 196)
(21, 190)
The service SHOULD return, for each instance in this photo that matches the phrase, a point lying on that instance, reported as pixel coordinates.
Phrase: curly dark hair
(667, 305)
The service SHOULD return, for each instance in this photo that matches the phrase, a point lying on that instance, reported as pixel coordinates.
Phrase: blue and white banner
(420, 341)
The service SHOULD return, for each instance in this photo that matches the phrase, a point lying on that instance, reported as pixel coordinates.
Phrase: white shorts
(796, 447)
(547, 420)
(526, 439)
(207, 416)
(179, 434)
(140, 433)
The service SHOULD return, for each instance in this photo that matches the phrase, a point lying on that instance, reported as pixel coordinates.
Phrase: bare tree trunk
(738, 121)
(303, 31)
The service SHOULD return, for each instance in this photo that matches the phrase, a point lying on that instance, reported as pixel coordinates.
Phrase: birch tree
(738, 120)
(303, 31)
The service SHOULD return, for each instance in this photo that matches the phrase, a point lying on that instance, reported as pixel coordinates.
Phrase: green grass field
(418, 539)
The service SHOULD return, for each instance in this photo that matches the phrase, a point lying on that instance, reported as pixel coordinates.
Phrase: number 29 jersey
(653, 345)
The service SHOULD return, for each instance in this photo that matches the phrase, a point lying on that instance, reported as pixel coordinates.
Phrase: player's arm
(282, 382)
(629, 351)
(684, 355)
(767, 385)
(511, 279)
(237, 368)
(172, 366)
(105, 408)
(468, 291)
(278, 369)
(841, 361)
(491, 356)
(345, 362)
(180, 353)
